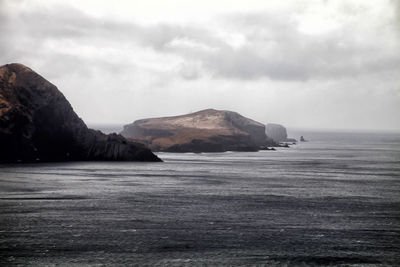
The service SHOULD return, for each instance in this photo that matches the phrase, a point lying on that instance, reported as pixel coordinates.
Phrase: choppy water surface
(334, 200)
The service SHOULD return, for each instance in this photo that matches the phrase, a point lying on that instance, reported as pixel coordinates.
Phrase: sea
(334, 200)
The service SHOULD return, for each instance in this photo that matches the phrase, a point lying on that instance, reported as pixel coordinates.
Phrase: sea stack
(207, 130)
(278, 133)
(37, 123)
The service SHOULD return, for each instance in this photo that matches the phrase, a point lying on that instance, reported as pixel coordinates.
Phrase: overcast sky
(309, 64)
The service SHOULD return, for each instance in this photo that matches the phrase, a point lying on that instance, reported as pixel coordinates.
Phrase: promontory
(37, 123)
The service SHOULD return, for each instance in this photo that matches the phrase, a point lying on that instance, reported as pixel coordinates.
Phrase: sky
(305, 64)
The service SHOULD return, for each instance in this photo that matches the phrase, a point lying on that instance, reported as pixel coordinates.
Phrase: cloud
(396, 10)
(275, 46)
(277, 49)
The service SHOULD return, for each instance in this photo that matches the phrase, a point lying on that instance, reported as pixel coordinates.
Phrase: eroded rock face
(204, 131)
(278, 133)
(37, 123)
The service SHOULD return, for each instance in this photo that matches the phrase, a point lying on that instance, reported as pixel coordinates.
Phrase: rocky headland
(37, 123)
(208, 130)
(278, 133)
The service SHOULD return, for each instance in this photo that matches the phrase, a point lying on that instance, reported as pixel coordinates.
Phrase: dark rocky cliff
(204, 131)
(37, 123)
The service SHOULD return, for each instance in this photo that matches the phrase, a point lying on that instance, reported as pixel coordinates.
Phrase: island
(38, 124)
(208, 130)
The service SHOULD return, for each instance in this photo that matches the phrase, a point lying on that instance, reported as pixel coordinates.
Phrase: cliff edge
(37, 123)
(278, 133)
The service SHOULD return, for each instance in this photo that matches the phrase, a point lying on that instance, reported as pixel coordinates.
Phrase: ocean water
(332, 201)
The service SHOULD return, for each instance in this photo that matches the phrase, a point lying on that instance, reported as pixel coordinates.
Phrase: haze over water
(333, 200)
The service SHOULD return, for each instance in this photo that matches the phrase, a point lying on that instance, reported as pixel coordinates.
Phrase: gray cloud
(274, 47)
(278, 50)
(396, 21)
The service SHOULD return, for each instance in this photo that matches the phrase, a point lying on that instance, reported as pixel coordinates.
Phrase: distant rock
(37, 123)
(267, 148)
(208, 130)
(278, 133)
(302, 139)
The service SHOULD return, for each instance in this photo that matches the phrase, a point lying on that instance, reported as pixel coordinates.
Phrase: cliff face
(278, 133)
(37, 123)
(204, 131)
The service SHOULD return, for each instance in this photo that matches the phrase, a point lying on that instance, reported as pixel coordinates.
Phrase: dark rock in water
(284, 145)
(37, 123)
(208, 130)
(302, 139)
(267, 148)
(278, 133)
